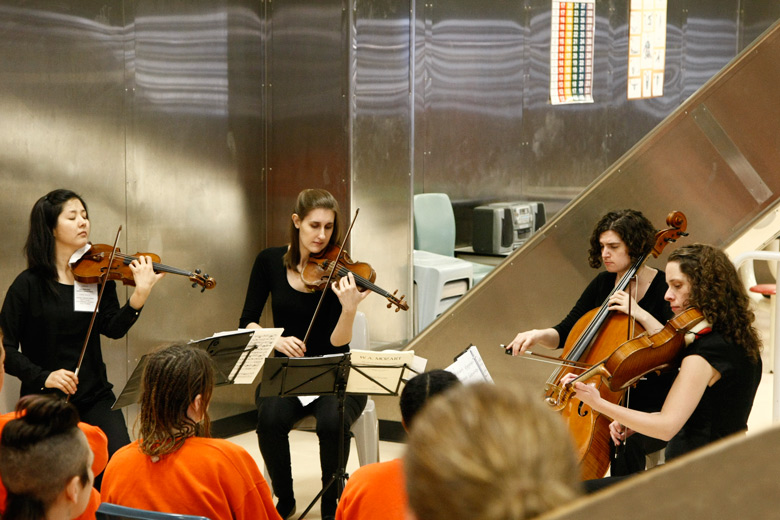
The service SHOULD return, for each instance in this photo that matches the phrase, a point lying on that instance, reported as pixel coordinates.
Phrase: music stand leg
(340, 477)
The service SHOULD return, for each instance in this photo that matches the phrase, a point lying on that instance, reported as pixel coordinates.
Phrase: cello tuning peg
(194, 285)
(197, 271)
(202, 289)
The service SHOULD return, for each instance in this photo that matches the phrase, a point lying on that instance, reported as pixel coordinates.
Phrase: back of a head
(40, 452)
(174, 376)
(422, 387)
(488, 452)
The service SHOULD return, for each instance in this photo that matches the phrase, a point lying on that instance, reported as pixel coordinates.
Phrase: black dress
(650, 392)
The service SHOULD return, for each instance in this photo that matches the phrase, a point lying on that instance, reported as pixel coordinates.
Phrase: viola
(94, 267)
(319, 267)
(593, 339)
(644, 354)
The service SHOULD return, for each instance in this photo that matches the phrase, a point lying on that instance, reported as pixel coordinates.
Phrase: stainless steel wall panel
(677, 166)
(61, 100)
(195, 190)
(308, 141)
(380, 128)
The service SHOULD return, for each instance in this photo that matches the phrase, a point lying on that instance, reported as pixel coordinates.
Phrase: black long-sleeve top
(43, 333)
(292, 310)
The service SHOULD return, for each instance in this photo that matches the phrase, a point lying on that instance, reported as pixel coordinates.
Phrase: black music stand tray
(225, 352)
(324, 375)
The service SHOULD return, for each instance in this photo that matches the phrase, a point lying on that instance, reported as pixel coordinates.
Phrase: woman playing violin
(46, 327)
(721, 367)
(618, 240)
(277, 272)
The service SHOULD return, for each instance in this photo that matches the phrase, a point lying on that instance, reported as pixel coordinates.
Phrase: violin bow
(97, 306)
(330, 276)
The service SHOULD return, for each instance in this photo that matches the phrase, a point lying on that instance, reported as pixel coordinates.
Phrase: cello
(593, 339)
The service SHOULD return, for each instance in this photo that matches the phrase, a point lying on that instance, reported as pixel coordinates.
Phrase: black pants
(112, 422)
(276, 416)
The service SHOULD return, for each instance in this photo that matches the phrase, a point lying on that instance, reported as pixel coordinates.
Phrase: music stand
(225, 351)
(324, 375)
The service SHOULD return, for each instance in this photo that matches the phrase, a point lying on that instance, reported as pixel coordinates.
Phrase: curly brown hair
(718, 293)
(634, 229)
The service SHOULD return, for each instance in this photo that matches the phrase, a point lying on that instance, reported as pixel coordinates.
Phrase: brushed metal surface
(675, 167)
(196, 124)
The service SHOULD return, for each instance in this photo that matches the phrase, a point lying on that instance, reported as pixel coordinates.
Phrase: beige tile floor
(305, 449)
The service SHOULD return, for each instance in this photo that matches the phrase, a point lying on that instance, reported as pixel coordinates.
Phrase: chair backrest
(108, 511)
(360, 332)
(434, 224)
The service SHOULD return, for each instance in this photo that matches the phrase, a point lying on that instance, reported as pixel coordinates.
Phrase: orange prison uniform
(207, 477)
(97, 442)
(375, 492)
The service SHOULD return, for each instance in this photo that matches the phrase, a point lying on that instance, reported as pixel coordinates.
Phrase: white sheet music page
(252, 359)
(386, 367)
(470, 368)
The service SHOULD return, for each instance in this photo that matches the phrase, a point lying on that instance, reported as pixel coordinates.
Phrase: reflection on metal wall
(715, 159)
(152, 110)
(485, 128)
(307, 113)
(380, 117)
(196, 124)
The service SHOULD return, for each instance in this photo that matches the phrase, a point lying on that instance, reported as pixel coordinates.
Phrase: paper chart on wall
(646, 49)
(571, 51)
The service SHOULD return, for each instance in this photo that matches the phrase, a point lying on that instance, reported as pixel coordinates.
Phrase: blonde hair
(488, 452)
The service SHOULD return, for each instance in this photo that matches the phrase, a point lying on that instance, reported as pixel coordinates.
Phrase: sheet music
(470, 368)
(389, 368)
(251, 361)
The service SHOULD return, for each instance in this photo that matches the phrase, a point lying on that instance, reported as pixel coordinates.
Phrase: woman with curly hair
(174, 466)
(721, 366)
(618, 240)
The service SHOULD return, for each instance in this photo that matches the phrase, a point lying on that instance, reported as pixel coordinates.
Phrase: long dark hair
(718, 293)
(42, 450)
(39, 247)
(173, 377)
(309, 200)
(634, 229)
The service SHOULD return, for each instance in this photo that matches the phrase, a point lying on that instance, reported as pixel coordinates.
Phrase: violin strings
(158, 266)
(343, 271)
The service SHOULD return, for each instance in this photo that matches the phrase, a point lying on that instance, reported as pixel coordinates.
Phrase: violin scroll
(398, 302)
(204, 280)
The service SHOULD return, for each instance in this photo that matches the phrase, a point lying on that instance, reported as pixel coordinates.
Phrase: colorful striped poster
(646, 48)
(571, 51)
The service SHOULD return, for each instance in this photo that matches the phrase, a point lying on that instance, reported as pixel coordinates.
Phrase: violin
(593, 339)
(319, 267)
(93, 267)
(644, 354)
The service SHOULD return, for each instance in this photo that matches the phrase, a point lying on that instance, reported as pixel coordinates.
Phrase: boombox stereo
(502, 227)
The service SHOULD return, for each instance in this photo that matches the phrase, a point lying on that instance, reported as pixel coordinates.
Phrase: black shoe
(285, 508)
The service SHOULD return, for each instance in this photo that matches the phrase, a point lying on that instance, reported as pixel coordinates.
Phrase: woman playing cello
(45, 327)
(314, 225)
(618, 240)
(721, 367)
